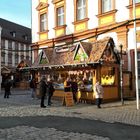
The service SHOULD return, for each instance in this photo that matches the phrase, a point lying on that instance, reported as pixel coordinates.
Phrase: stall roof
(82, 53)
(24, 63)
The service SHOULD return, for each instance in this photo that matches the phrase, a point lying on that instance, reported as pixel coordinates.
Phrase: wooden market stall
(85, 62)
(23, 74)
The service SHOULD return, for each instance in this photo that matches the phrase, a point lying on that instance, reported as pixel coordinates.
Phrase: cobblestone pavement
(21, 104)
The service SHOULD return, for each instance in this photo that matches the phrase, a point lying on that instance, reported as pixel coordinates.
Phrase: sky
(17, 11)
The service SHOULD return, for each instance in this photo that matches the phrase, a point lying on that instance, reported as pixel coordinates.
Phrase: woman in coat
(98, 90)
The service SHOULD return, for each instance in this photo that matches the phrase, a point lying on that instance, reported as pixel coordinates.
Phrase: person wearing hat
(43, 90)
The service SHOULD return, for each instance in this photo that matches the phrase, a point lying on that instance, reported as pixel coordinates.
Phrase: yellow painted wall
(43, 36)
(81, 26)
(106, 20)
(138, 11)
(43, 1)
(59, 32)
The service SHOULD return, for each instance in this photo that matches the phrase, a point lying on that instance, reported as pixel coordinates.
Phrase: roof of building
(82, 53)
(22, 33)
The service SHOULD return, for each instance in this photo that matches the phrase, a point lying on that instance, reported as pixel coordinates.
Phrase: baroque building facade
(60, 23)
(15, 47)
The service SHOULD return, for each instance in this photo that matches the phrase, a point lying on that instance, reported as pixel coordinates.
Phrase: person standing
(50, 91)
(43, 90)
(98, 90)
(67, 85)
(7, 88)
(74, 88)
(33, 87)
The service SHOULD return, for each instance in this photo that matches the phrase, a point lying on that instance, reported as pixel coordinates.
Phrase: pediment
(43, 58)
(42, 5)
(80, 54)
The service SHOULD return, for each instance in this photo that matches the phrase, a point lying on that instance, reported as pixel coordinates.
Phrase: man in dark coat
(50, 91)
(74, 88)
(7, 88)
(43, 90)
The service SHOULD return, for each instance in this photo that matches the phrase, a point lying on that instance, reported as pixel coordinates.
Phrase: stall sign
(68, 99)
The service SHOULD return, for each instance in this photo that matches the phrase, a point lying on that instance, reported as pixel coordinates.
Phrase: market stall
(84, 62)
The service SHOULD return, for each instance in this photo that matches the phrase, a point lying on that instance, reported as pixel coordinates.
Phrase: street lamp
(121, 75)
(136, 62)
(0, 58)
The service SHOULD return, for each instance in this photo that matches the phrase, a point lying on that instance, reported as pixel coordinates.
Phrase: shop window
(60, 16)
(43, 22)
(81, 9)
(108, 76)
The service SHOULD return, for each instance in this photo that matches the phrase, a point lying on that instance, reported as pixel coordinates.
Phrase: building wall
(8, 52)
(121, 35)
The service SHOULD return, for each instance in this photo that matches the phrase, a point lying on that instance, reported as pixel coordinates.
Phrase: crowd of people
(46, 88)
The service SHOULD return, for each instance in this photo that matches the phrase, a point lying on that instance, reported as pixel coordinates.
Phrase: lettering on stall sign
(68, 99)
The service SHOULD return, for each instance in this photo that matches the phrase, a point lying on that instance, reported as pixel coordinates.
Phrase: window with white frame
(106, 5)
(81, 9)
(43, 22)
(60, 16)
(10, 45)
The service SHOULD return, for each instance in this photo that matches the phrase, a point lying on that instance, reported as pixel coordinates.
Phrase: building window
(60, 16)
(106, 5)
(16, 59)
(13, 33)
(2, 57)
(3, 43)
(43, 22)
(10, 45)
(81, 9)
(9, 59)
(16, 46)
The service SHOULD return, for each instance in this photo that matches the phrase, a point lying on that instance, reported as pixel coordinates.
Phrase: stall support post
(121, 76)
(0, 59)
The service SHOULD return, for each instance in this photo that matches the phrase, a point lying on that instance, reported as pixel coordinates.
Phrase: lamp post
(0, 58)
(136, 62)
(121, 75)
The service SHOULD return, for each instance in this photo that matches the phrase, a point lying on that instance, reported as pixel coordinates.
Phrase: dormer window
(25, 37)
(13, 34)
